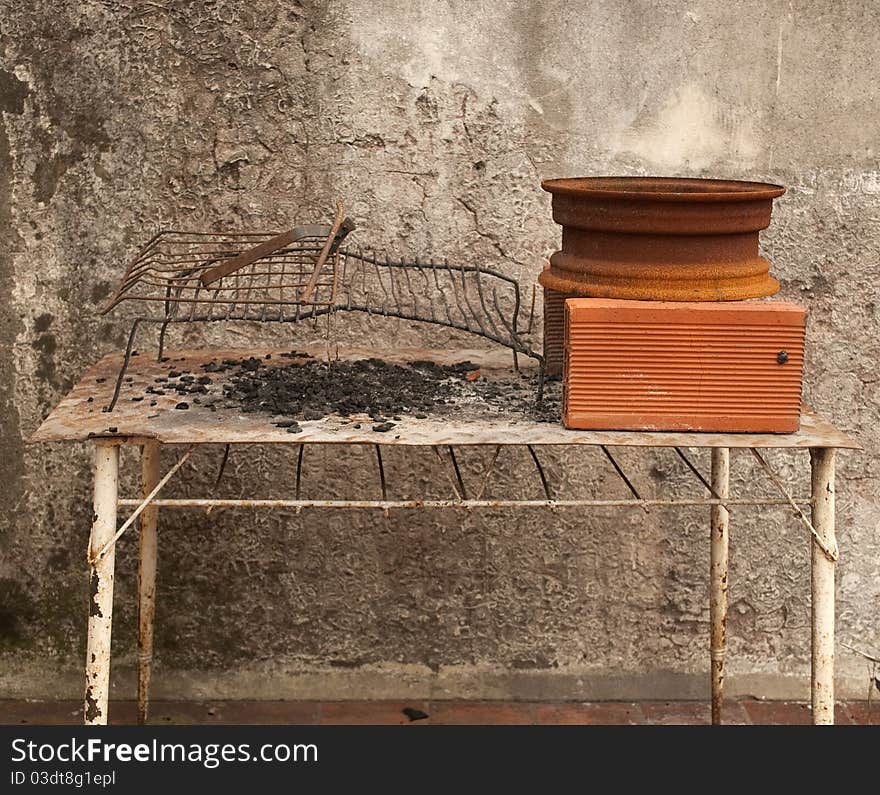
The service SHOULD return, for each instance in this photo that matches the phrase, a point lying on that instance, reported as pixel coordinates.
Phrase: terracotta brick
(860, 714)
(733, 714)
(788, 713)
(777, 713)
(487, 713)
(610, 713)
(234, 713)
(677, 712)
(41, 713)
(842, 715)
(24, 712)
(370, 713)
(230, 713)
(649, 365)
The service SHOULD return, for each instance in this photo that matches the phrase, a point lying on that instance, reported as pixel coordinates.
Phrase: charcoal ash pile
(306, 388)
(313, 389)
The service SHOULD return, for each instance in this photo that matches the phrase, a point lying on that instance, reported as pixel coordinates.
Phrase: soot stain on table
(311, 389)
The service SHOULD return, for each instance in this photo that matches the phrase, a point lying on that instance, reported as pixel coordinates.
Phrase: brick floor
(309, 713)
(600, 713)
(369, 713)
(676, 713)
(482, 713)
(775, 713)
(863, 714)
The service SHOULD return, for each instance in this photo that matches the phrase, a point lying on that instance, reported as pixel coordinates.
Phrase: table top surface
(79, 416)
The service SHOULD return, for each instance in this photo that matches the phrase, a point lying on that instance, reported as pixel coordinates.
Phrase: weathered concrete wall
(435, 122)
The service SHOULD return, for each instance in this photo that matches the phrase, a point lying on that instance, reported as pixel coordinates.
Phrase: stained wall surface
(435, 123)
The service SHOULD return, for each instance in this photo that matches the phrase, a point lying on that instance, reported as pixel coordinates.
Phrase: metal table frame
(817, 435)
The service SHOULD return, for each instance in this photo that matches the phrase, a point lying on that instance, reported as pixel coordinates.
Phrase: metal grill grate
(190, 277)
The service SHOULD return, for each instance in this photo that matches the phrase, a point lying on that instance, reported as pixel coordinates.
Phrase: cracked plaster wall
(435, 123)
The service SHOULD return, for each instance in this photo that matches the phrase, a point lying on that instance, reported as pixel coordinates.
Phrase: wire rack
(304, 273)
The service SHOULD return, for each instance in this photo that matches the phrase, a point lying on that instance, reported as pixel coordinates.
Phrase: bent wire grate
(304, 274)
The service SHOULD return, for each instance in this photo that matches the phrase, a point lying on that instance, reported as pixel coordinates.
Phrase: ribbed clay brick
(646, 365)
(554, 330)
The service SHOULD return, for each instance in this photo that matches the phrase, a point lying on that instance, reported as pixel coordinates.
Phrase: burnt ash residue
(311, 389)
(314, 388)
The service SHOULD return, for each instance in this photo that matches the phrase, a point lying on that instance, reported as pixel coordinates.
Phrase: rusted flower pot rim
(672, 189)
(661, 238)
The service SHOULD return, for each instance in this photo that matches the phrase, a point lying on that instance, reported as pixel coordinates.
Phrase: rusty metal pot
(660, 238)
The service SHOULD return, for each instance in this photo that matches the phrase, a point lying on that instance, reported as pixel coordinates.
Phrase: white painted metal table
(79, 418)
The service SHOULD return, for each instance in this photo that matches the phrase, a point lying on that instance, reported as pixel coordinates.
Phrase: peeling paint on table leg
(101, 583)
(720, 518)
(147, 555)
(822, 585)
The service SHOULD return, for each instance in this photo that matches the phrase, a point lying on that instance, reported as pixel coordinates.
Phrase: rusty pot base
(660, 288)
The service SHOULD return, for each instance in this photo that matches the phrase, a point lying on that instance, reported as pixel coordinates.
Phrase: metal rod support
(220, 471)
(383, 504)
(142, 505)
(822, 584)
(830, 550)
(541, 473)
(101, 576)
(126, 358)
(382, 483)
(619, 470)
(299, 468)
(696, 472)
(718, 578)
(489, 471)
(458, 478)
(147, 555)
(452, 481)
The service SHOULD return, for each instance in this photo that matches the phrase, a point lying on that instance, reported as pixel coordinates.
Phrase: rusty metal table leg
(147, 554)
(101, 583)
(822, 585)
(718, 568)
